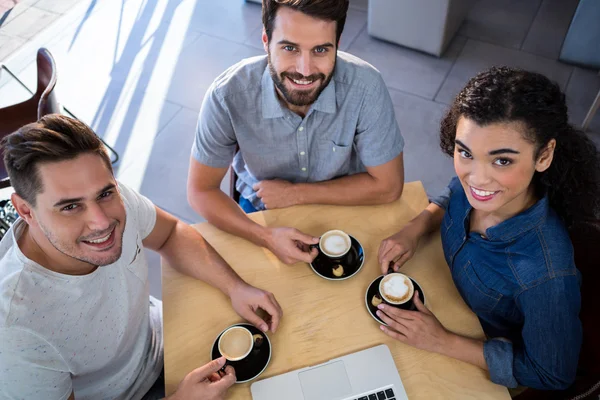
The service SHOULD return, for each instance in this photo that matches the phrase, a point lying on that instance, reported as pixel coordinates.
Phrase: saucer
(373, 289)
(352, 262)
(255, 363)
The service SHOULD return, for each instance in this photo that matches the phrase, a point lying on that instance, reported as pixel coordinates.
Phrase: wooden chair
(586, 242)
(592, 111)
(233, 193)
(41, 103)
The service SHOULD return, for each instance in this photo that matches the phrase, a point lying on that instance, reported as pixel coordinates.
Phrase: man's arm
(212, 152)
(187, 251)
(207, 199)
(379, 185)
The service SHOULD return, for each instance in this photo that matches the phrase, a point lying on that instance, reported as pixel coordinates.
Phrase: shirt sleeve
(140, 210)
(552, 334)
(31, 368)
(443, 199)
(215, 141)
(378, 138)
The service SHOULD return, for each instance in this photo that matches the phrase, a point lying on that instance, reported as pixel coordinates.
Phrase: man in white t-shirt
(76, 320)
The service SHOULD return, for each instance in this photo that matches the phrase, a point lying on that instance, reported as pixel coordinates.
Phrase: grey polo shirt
(349, 127)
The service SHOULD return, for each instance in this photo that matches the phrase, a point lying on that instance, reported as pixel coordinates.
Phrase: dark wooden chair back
(233, 193)
(586, 242)
(41, 103)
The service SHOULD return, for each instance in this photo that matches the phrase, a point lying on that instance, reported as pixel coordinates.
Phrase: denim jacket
(521, 281)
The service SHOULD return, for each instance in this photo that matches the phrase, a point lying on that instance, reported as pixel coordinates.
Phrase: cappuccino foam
(335, 244)
(397, 288)
(235, 343)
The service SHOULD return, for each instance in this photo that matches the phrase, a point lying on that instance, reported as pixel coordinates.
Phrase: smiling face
(302, 54)
(496, 165)
(79, 211)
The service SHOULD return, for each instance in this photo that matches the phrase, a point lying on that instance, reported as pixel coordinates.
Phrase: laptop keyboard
(387, 394)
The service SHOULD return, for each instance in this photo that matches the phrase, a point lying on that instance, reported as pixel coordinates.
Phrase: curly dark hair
(503, 95)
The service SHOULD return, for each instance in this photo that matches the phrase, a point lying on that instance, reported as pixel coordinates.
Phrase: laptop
(366, 375)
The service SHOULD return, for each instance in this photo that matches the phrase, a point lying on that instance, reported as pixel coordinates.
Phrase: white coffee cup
(396, 288)
(335, 243)
(236, 343)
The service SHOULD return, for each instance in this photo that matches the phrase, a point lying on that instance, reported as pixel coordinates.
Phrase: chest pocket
(479, 297)
(332, 159)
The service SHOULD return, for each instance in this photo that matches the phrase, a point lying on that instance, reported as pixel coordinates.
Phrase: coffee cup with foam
(335, 243)
(396, 289)
(236, 343)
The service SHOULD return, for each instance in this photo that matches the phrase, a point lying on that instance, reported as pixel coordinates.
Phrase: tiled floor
(137, 70)
(25, 19)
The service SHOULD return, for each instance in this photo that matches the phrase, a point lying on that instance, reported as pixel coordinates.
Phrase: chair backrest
(586, 243)
(41, 103)
(233, 193)
(47, 75)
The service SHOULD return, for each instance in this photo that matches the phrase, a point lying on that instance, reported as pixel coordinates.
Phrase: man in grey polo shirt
(313, 126)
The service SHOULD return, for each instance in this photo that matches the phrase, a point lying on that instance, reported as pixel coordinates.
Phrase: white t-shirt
(94, 334)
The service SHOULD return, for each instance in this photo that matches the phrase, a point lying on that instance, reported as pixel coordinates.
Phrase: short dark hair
(504, 95)
(329, 10)
(53, 138)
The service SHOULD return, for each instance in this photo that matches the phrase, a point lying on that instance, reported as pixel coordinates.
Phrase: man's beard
(299, 98)
(70, 250)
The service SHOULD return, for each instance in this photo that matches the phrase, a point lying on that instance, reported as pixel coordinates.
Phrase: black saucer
(256, 362)
(373, 290)
(352, 262)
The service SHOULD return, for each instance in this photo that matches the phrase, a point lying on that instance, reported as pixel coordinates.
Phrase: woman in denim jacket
(524, 177)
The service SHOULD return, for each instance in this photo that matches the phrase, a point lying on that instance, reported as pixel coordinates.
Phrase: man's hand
(291, 246)
(420, 328)
(276, 193)
(205, 383)
(246, 300)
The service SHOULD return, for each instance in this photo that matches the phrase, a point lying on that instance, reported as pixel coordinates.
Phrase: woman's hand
(420, 329)
(398, 248)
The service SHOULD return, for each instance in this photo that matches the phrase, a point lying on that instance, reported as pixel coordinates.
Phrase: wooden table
(324, 319)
